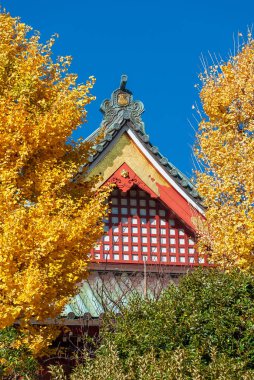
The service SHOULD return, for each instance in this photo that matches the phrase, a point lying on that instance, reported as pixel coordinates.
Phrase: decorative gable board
(126, 149)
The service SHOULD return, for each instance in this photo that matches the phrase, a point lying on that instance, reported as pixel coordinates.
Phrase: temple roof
(102, 290)
(122, 112)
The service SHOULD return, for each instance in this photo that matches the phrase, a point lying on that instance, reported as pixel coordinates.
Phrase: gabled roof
(123, 114)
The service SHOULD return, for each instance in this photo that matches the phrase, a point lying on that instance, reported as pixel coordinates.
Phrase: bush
(15, 359)
(178, 365)
(208, 309)
(202, 329)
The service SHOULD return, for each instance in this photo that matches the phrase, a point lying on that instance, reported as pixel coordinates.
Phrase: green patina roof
(104, 291)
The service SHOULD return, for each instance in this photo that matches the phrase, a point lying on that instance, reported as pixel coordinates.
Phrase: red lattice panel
(141, 228)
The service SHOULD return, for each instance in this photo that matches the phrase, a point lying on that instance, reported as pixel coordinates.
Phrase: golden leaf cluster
(48, 221)
(225, 149)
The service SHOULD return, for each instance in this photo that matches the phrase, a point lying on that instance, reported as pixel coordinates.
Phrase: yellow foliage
(48, 221)
(226, 150)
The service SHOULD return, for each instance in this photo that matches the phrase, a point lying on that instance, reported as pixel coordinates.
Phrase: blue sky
(158, 44)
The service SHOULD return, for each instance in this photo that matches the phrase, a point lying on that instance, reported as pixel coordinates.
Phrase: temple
(150, 232)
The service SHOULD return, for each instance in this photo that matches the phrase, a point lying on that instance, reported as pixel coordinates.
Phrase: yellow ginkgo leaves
(48, 222)
(226, 150)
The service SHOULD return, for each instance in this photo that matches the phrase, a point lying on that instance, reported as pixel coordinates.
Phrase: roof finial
(123, 82)
(121, 107)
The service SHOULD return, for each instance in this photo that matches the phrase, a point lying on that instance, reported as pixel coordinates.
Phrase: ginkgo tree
(48, 220)
(225, 150)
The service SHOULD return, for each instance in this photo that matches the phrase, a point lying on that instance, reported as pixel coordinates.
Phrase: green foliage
(178, 365)
(202, 329)
(208, 309)
(15, 359)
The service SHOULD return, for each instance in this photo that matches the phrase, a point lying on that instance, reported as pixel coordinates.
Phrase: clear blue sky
(157, 43)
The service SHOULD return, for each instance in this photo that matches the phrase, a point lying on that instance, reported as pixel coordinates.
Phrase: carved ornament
(125, 178)
(122, 106)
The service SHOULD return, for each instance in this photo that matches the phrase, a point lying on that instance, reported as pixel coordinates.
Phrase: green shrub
(208, 309)
(201, 329)
(16, 361)
(178, 365)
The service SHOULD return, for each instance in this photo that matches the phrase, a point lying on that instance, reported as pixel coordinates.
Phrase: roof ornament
(123, 82)
(121, 107)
